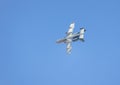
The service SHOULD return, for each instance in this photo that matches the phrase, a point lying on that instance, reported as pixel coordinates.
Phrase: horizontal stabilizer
(82, 31)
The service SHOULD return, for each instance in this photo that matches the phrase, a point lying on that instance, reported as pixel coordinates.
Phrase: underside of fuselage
(75, 39)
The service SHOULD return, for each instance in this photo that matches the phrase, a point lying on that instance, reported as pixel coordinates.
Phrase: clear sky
(29, 54)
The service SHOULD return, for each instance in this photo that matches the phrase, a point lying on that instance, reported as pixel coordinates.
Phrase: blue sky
(30, 56)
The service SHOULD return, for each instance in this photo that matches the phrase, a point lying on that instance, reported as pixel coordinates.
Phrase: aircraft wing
(69, 46)
(71, 28)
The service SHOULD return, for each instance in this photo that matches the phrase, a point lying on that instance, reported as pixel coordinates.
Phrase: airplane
(72, 37)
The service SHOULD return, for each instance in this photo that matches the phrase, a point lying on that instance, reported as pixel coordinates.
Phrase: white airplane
(70, 37)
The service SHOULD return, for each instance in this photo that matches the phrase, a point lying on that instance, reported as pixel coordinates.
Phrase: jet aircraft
(72, 37)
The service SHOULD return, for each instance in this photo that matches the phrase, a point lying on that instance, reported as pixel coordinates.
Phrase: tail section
(82, 31)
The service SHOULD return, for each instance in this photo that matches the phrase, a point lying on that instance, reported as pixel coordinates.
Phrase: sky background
(29, 54)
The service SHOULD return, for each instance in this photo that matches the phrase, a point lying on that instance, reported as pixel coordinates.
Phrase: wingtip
(73, 22)
(68, 53)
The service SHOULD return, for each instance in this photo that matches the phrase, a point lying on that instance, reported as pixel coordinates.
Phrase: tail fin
(82, 31)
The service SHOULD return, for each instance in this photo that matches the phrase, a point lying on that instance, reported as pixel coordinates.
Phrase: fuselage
(74, 37)
(70, 37)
